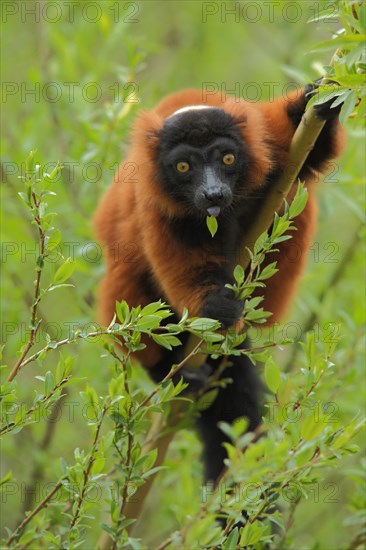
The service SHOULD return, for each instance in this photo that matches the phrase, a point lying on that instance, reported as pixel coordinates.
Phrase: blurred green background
(74, 76)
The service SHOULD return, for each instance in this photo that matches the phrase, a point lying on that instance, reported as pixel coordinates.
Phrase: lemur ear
(146, 134)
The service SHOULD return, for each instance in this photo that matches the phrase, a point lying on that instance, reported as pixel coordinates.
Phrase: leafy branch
(34, 199)
(87, 471)
(43, 504)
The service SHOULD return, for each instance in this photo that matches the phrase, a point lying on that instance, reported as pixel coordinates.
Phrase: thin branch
(290, 519)
(44, 528)
(9, 427)
(43, 504)
(20, 363)
(130, 441)
(88, 469)
(82, 336)
(131, 509)
(358, 542)
(34, 324)
(332, 283)
(38, 471)
(60, 343)
(170, 374)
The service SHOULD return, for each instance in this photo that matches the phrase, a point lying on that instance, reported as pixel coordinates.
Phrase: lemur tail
(240, 398)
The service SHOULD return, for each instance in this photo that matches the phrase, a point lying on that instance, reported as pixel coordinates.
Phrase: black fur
(210, 274)
(209, 182)
(183, 128)
(240, 398)
(223, 306)
(192, 231)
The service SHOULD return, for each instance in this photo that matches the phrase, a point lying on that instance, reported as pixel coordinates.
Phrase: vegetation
(83, 430)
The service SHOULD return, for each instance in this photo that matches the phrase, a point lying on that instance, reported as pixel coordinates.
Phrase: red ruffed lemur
(192, 160)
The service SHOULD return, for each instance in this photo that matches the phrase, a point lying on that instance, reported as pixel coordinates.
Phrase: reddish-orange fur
(132, 212)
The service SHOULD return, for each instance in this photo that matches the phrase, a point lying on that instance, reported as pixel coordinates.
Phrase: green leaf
(282, 239)
(240, 426)
(25, 198)
(310, 348)
(212, 337)
(64, 272)
(239, 274)
(149, 322)
(311, 427)
(348, 107)
(232, 540)
(149, 460)
(90, 396)
(49, 382)
(204, 323)
(152, 308)
(108, 529)
(28, 536)
(299, 202)
(344, 41)
(172, 340)
(340, 99)
(123, 311)
(54, 172)
(228, 430)
(8, 477)
(257, 315)
(40, 262)
(29, 163)
(206, 400)
(172, 327)
(253, 302)
(350, 80)
(117, 417)
(355, 55)
(98, 465)
(165, 340)
(272, 375)
(212, 225)
(268, 271)
(54, 239)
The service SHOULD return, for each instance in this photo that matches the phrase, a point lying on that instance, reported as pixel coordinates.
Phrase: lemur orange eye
(183, 167)
(228, 159)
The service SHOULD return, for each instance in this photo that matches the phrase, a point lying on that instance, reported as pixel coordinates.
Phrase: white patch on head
(191, 108)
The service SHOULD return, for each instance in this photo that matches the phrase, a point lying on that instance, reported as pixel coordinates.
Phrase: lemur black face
(201, 159)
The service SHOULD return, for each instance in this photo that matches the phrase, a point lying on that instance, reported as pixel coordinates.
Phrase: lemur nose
(213, 195)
